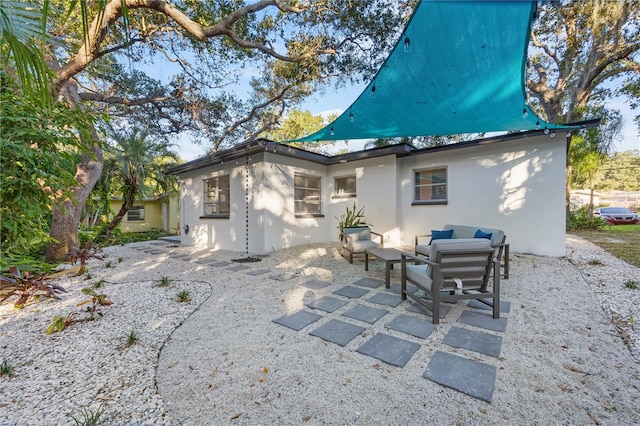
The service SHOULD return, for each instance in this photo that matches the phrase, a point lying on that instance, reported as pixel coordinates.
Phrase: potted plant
(351, 219)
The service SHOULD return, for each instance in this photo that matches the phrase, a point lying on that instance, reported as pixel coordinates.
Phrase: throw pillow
(441, 235)
(480, 234)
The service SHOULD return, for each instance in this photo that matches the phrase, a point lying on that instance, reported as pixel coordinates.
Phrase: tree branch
(118, 100)
(251, 115)
(98, 30)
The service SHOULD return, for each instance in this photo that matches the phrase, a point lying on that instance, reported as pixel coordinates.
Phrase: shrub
(26, 286)
(95, 304)
(82, 254)
(579, 219)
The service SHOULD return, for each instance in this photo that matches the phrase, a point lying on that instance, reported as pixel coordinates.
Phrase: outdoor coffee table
(389, 255)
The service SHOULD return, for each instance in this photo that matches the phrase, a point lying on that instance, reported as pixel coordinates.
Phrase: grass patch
(6, 369)
(183, 296)
(622, 241)
(88, 416)
(132, 338)
(632, 285)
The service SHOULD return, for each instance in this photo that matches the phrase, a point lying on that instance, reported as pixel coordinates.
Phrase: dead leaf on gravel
(235, 416)
(265, 370)
(191, 366)
(214, 373)
(173, 364)
(593, 419)
(376, 366)
(575, 370)
(306, 419)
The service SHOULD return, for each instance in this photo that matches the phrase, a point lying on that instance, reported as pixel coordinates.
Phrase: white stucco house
(262, 196)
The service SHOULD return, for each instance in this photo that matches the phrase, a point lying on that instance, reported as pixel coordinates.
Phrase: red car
(617, 215)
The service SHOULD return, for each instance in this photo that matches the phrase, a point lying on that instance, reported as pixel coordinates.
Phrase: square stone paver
(397, 288)
(366, 313)
(389, 349)
(204, 261)
(477, 341)
(315, 284)
(178, 255)
(351, 292)
(505, 306)
(482, 320)
(473, 378)
(337, 332)
(418, 308)
(237, 268)
(386, 299)
(283, 277)
(298, 320)
(221, 264)
(411, 325)
(327, 304)
(257, 272)
(369, 282)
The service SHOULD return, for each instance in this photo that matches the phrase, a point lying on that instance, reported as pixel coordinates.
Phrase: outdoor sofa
(465, 232)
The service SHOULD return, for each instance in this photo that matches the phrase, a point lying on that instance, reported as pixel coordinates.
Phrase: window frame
(336, 194)
(297, 201)
(445, 184)
(219, 193)
(136, 209)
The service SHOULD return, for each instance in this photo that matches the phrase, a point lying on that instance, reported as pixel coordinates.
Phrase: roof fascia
(400, 150)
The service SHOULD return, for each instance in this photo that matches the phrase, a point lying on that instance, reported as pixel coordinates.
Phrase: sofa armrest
(381, 237)
(421, 236)
(415, 258)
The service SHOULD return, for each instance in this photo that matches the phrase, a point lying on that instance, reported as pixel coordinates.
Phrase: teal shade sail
(458, 67)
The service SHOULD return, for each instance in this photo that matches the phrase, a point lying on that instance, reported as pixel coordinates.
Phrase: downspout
(246, 202)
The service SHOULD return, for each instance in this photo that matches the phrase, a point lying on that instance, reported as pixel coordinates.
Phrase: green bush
(579, 219)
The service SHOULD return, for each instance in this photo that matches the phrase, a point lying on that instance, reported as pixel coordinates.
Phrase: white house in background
(262, 196)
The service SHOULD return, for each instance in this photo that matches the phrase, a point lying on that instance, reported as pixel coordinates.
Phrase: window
(306, 194)
(135, 214)
(431, 186)
(216, 196)
(345, 187)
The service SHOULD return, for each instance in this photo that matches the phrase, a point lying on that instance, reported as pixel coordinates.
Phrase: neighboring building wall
(516, 186)
(152, 216)
(171, 213)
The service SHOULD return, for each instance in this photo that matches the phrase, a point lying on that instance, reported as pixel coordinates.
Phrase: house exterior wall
(515, 186)
(215, 233)
(152, 216)
(375, 191)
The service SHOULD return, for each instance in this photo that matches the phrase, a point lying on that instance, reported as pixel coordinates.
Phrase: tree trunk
(66, 213)
(116, 220)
